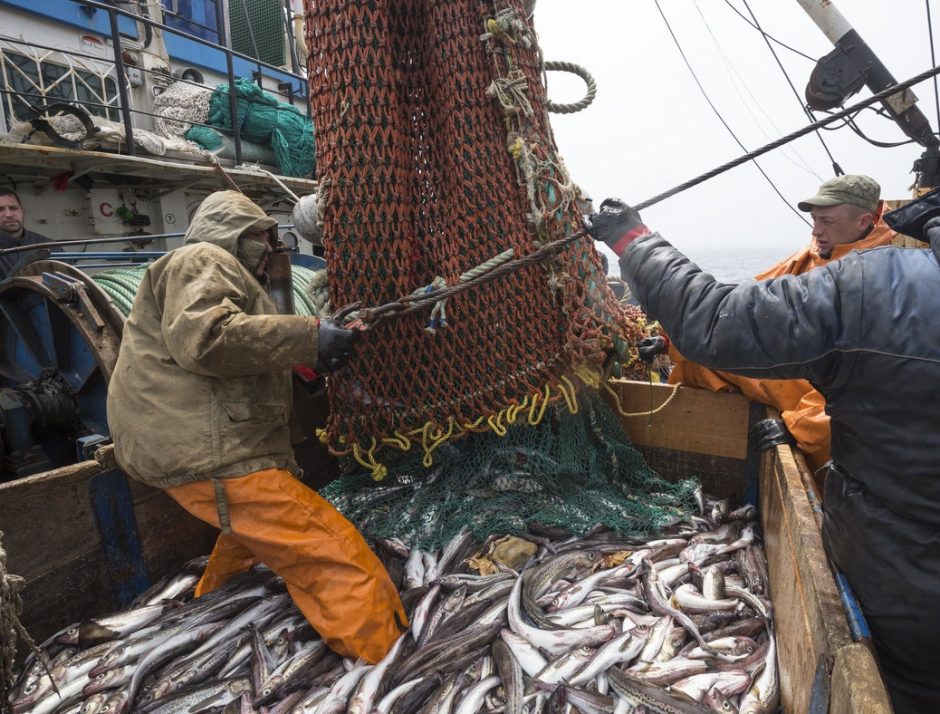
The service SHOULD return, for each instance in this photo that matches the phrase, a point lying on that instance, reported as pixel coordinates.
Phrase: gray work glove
(335, 345)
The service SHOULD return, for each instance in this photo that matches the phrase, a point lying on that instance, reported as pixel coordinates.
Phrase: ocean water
(735, 267)
(728, 266)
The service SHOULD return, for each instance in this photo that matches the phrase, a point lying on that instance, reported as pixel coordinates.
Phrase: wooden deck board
(679, 426)
(64, 560)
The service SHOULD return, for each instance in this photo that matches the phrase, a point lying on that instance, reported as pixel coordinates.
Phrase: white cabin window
(31, 81)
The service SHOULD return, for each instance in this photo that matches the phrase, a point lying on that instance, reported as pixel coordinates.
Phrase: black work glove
(335, 345)
(768, 433)
(650, 347)
(616, 224)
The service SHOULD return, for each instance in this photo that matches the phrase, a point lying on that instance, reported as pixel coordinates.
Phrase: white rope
(179, 106)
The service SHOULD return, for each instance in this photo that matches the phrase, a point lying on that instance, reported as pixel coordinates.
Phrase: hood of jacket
(224, 216)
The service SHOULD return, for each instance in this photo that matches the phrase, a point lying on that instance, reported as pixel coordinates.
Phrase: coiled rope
(572, 68)
(122, 284)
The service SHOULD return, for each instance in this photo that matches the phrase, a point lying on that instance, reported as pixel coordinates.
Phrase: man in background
(846, 214)
(13, 234)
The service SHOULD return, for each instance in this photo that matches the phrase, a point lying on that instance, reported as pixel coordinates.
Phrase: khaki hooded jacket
(201, 389)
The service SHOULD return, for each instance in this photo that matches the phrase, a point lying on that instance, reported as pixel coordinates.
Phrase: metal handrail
(134, 238)
(97, 58)
(208, 43)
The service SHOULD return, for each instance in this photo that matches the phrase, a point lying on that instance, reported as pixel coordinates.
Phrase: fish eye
(31, 687)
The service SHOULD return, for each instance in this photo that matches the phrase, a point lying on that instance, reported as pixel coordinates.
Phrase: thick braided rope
(585, 102)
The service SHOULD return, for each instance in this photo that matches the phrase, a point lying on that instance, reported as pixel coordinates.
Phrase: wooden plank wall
(810, 621)
(51, 538)
(673, 441)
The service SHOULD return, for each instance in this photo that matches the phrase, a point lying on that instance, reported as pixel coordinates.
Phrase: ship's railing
(99, 97)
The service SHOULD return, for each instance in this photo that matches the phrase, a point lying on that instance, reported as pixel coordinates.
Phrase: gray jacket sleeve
(787, 327)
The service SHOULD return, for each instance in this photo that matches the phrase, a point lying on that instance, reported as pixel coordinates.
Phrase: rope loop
(572, 68)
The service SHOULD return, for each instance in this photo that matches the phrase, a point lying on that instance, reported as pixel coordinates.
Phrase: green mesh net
(572, 471)
(264, 120)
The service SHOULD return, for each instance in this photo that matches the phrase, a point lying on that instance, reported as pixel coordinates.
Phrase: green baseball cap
(861, 191)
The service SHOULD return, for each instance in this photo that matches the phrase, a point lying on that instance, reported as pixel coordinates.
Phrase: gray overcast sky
(650, 128)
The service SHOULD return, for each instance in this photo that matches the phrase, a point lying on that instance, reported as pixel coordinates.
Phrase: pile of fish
(534, 623)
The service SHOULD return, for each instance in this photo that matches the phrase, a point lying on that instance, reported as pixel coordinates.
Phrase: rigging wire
(933, 61)
(874, 142)
(721, 118)
(806, 110)
(766, 148)
(770, 37)
(802, 164)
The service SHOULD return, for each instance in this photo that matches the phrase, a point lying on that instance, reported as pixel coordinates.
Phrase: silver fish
(385, 704)
(555, 641)
(361, 703)
(470, 704)
(510, 673)
(764, 693)
(528, 656)
(623, 649)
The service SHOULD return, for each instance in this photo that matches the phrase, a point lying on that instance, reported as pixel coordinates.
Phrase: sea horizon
(731, 266)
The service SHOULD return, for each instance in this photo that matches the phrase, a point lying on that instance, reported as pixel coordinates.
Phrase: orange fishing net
(435, 155)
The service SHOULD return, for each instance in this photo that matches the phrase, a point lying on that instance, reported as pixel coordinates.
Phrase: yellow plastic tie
(591, 377)
(475, 425)
(621, 412)
(569, 394)
(495, 425)
(379, 471)
(513, 411)
(399, 440)
(436, 440)
(533, 420)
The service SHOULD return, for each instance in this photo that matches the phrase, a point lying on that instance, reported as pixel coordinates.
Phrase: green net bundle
(435, 154)
(570, 472)
(264, 120)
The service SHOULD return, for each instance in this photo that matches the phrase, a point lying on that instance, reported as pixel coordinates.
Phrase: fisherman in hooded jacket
(200, 404)
(865, 332)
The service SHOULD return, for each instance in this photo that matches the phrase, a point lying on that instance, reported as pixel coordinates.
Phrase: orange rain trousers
(335, 580)
(801, 407)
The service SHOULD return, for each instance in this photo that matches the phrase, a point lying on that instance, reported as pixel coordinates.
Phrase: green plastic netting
(264, 120)
(572, 471)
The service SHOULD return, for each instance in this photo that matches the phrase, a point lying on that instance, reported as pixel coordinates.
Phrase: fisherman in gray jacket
(13, 234)
(865, 331)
